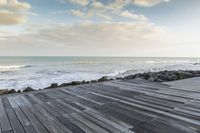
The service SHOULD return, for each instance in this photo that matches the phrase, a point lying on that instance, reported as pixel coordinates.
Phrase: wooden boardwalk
(131, 106)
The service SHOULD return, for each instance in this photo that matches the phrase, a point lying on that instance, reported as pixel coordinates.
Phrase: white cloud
(98, 5)
(88, 36)
(131, 15)
(148, 3)
(80, 2)
(104, 33)
(77, 13)
(14, 5)
(104, 16)
(13, 12)
(9, 18)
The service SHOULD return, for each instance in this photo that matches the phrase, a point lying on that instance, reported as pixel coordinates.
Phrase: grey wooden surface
(120, 106)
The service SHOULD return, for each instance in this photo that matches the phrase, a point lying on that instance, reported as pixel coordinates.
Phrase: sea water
(39, 72)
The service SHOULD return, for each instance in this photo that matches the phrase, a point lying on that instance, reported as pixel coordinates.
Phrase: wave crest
(14, 66)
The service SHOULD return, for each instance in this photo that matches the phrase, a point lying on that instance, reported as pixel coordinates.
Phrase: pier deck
(119, 106)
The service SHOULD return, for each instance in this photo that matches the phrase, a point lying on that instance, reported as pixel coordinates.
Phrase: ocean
(39, 72)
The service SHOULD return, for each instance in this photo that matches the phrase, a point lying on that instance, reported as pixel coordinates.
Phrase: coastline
(160, 76)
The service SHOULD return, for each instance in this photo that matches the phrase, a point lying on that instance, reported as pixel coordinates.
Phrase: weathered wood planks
(120, 106)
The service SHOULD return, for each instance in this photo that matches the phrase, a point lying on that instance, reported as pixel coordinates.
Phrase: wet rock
(19, 91)
(94, 81)
(64, 84)
(105, 78)
(11, 91)
(75, 83)
(27, 89)
(54, 85)
(85, 82)
(164, 76)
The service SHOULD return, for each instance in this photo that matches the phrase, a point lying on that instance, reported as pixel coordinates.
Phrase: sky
(141, 28)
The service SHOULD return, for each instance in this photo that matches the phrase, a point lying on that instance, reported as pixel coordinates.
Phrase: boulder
(54, 85)
(104, 78)
(19, 91)
(11, 91)
(64, 84)
(94, 81)
(75, 83)
(27, 89)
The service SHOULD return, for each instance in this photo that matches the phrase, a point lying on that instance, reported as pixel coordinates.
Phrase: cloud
(14, 5)
(131, 15)
(100, 37)
(9, 18)
(80, 2)
(105, 33)
(13, 12)
(97, 5)
(77, 13)
(104, 16)
(148, 3)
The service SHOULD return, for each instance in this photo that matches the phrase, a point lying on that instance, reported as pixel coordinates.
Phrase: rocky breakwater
(161, 76)
(164, 76)
(11, 91)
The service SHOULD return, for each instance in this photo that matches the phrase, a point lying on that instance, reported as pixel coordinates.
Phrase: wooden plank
(188, 120)
(34, 121)
(109, 128)
(73, 127)
(107, 107)
(54, 125)
(21, 116)
(16, 125)
(90, 124)
(81, 125)
(122, 127)
(5, 123)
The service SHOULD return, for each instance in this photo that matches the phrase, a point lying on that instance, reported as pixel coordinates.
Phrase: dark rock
(146, 76)
(75, 83)
(83, 82)
(19, 91)
(54, 85)
(94, 81)
(105, 78)
(11, 91)
(164, 76)
(87, 82)
(28, 89)
(64, 84)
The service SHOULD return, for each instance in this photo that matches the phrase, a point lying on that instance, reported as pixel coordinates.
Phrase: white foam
(14, 66)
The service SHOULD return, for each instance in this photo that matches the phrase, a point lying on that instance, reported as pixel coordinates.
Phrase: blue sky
(100, 27)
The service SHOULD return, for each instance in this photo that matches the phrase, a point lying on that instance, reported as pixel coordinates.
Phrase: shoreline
(160, 76)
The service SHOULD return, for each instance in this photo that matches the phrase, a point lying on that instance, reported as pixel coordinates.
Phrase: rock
(19, 91)
(54, 85)
(75, 83)
(3, 91)
(64, 84)
(94, 81)
(84, 82)
(11, 91)
(105, 78)
(27, 89)
(146, 76)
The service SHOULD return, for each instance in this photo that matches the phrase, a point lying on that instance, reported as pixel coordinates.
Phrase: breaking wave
(14, 66)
